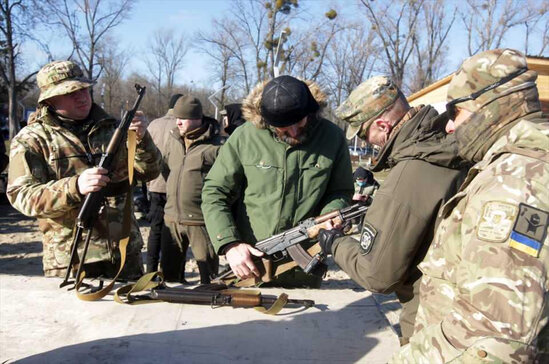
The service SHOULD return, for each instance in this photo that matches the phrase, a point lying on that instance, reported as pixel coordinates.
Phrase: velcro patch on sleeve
(496, 221)
(530, 229)
(367, 238)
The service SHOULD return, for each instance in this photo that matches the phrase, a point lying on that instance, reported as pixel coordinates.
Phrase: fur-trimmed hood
(251, 106)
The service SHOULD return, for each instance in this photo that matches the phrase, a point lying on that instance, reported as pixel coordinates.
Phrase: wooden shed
(435, 94)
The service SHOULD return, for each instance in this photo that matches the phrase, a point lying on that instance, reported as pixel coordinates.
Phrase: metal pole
(276, 71)
(210, 98)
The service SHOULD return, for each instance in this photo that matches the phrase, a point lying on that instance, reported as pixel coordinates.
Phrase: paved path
(40, 323)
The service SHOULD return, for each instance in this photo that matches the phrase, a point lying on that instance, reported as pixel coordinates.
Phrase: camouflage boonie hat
(369, 100)
(60, 78)
(482, 70)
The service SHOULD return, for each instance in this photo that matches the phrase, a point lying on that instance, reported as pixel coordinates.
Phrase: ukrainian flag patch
(524, 244)
(529, 231)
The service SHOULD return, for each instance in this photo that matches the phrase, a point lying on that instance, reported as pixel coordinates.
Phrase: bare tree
(351, 60)
(217, 45)
(167, 51)
(545, 37)
(15, 21)
(488, 21)
(260, 23)
(538, 14)
(114, 62)
(86, 23)
(430, 43)
(243, 44)
(307, 56)
(395, 24)
(275, 10)
(228, 48)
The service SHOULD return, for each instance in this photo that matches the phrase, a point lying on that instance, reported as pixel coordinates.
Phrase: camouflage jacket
(46, 162)
(485, 287)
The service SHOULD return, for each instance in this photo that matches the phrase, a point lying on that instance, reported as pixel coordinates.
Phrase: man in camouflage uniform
(52, 169)
(399, 225)
(485, 286)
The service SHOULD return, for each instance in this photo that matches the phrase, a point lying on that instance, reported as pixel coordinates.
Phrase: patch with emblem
(529, 230)
(367, 238)
(496, 221)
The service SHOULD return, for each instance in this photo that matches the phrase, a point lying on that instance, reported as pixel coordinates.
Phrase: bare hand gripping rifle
(94, 200)
(287, 243)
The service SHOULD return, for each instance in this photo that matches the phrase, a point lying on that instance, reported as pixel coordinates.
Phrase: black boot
(205, 274)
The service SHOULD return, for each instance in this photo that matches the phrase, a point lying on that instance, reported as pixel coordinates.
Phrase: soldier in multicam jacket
(483, 297)
(52, 169)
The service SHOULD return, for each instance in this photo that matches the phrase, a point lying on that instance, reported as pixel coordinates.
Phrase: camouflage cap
(60, 78)
(482, 70)
(369, 100)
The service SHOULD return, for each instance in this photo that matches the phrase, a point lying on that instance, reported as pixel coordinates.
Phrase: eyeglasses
(451, 106)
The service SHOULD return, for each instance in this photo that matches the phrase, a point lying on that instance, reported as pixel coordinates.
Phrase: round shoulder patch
(367, 238)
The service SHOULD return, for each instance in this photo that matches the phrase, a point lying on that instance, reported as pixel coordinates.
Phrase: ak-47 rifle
(220, 298)
(288, 242)
(92, 204)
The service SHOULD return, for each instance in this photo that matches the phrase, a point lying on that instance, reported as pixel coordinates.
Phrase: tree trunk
(12, 90)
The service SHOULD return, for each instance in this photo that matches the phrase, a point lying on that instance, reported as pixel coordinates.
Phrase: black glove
(326, 239)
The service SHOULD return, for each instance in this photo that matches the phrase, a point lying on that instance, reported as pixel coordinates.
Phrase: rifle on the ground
(221, 298)
(286, 243)
(92, 204)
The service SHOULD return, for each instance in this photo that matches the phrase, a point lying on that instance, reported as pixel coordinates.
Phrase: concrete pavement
(40, 323)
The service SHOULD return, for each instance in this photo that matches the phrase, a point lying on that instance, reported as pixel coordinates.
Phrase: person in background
(232, 117)
(192, 149)
(365, 184)
(160, 132)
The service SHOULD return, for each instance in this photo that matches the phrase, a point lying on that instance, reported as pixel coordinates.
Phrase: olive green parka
(188, 166)
(260, 186)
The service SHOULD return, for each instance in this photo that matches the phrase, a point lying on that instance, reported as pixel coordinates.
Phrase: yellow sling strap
(126, 227)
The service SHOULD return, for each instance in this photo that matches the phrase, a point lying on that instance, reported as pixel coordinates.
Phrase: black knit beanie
(285, 101)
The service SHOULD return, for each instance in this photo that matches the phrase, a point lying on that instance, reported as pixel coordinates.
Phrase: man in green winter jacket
(285, 164)
(53, 167)
(400, 223)
(192, 149)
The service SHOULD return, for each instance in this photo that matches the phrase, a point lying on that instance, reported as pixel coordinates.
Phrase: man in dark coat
(400, 223)
(232, 117)
(160, 133)
(192, 150)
